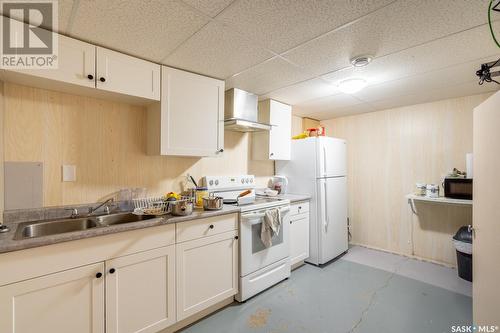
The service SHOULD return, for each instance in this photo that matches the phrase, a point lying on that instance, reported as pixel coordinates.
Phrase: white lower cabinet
(299, 233)
(68, 301)
(140, 292)
(207, 272)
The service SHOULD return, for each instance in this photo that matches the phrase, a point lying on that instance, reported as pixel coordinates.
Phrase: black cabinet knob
(102, 79)
(111, 271)
(211, 226)
(290, 222)
(90, 77)
(220, 150)
(236, 237)
(272, 154)
(300, 207)
(98, 275)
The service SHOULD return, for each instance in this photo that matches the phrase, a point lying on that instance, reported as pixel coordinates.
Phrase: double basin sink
(47, 228)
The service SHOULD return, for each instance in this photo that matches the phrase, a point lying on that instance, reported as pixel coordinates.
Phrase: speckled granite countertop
(294, 197)
(8, 244)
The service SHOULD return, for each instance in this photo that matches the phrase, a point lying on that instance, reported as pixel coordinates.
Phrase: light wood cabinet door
(124, 74)
(486, 215)
(207, 272)
(68, 301)
(140, 291)
(299, 238)
(192, 114)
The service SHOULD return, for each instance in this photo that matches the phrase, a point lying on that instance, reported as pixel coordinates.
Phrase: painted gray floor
(344, 296)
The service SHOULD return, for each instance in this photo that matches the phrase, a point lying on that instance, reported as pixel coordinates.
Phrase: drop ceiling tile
(150, 30)
(267, 76)
(217, 51)
(431, 81)
(424, 58)
(209, 7)
(392, 28)
(281, 25)
(342, 111)
(325, 105)
(303, 91)
(64, 14)
(451, 91)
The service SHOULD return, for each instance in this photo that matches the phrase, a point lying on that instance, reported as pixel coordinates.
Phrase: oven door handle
(253, 216)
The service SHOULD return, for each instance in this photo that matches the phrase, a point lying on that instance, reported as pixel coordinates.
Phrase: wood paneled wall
(106, 140)
(388, 152)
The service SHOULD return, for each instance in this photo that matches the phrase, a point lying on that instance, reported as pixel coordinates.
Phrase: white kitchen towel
(270, 226)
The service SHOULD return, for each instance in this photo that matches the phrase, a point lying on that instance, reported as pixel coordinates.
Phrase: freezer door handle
(324, 161)
(327, 221)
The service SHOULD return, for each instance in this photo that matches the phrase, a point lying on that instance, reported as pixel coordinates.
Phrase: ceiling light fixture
(351, 86)
(361, 61)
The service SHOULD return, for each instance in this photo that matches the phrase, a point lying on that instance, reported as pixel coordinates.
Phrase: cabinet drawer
(299, 208)
(205, 227)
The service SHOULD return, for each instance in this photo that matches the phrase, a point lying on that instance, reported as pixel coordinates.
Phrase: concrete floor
(389, 294)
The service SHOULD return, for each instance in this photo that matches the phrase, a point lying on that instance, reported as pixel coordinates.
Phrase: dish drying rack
(155, 205)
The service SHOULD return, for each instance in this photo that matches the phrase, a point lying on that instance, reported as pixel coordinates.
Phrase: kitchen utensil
(242, 194)
(194, 181)
(201, 192)
(181, 207)
(213, 203)
(150, 206)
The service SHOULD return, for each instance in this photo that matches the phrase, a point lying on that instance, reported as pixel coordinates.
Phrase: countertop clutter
(8, 243)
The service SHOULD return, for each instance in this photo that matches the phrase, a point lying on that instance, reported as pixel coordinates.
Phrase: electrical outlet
(69, 173)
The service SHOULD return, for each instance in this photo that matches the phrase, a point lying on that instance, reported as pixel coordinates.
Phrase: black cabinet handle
(111, 271)
(102, 79)
(220, 151)
(290, 222)
(211, 226)
(90, 77)
(272, 154)
(236, 237)
(300, 207)
(98, 275)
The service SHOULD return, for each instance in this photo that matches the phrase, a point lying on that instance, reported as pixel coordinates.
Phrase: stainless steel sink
(121, 218)
(48, 228)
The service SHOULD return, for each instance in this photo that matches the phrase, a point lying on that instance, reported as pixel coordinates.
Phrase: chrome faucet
(92, 210)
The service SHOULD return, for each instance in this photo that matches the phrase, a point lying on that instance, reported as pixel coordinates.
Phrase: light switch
(69, 173)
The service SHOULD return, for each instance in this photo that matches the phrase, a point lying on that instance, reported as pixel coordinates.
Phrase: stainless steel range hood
(240, 112)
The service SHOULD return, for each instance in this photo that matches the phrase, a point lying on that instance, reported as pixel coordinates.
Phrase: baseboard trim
(441, 263)
(198, 316)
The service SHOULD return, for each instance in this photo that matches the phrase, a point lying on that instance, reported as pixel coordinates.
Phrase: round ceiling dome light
(361, 61)
(351, 86)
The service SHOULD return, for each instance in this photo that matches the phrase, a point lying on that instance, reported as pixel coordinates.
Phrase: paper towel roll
(468, 164)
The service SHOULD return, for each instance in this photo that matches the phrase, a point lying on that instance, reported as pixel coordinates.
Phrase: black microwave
(458, 188)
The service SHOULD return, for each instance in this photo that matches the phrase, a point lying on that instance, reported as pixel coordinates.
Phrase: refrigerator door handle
(324, 161)
(327, 222)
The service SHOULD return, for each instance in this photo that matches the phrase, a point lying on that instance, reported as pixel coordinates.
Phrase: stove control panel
(227, 183)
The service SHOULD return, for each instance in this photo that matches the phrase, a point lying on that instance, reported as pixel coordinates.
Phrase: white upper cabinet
(124, 74)
(275, 144)
(76, 62)
(190, 119)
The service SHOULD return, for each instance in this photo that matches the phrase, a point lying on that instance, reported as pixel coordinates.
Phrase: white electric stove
(260, 267)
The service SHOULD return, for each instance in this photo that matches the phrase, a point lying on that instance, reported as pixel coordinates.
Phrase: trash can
(463, 244)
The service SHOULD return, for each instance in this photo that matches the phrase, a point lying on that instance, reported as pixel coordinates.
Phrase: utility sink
(48, 228)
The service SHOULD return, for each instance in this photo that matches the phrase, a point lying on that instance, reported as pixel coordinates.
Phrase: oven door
(254, 255)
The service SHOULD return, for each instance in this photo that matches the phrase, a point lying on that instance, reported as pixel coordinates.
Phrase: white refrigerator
(318, 168)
